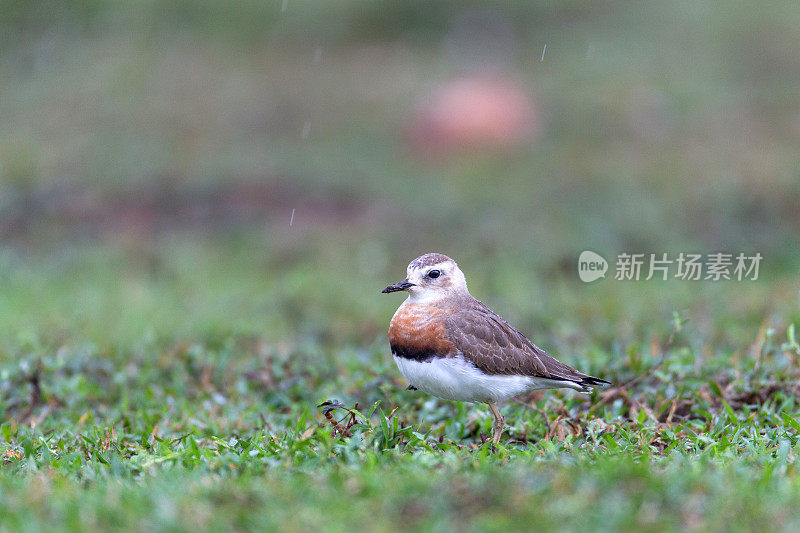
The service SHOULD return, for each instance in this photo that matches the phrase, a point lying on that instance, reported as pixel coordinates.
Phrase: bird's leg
(499, 422)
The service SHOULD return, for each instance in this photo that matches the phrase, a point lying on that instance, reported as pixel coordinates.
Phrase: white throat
(425, 296)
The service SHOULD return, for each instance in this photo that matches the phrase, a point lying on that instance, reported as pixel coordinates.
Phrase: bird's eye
(434, 274)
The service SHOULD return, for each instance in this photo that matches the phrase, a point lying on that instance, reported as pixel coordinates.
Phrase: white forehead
(440, 266)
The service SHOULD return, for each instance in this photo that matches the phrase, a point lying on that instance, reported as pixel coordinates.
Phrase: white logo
(591, 266)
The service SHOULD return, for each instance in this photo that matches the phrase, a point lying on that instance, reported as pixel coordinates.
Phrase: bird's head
(431, 277)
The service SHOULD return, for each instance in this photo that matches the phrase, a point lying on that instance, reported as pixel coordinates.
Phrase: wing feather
(496, 347)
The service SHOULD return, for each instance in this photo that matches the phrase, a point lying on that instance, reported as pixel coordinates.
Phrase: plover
(449, 344)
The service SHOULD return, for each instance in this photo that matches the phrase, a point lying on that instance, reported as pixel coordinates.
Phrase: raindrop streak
(306, 129)
(543, 51)
(284, 5)
(291, 220)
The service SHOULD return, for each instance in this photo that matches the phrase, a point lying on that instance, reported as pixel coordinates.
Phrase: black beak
(399, 286)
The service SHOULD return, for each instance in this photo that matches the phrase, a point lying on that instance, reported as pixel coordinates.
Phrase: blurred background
(185, 170)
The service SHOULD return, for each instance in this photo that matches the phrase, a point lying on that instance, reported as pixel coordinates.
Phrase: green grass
(196, 441)
(217, 424)
(167, 338)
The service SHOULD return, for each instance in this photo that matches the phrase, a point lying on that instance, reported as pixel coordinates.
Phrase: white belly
(454, 378)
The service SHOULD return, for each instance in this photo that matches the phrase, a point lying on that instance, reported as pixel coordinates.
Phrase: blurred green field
(200, 202)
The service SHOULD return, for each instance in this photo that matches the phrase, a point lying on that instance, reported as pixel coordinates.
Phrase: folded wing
(496, 347)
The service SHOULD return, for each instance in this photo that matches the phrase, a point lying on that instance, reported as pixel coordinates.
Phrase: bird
(448, 344)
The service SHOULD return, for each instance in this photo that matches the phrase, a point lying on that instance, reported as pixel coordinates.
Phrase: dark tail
(587, 382)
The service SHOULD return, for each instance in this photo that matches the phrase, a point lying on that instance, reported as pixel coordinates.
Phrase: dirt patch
(162, 206)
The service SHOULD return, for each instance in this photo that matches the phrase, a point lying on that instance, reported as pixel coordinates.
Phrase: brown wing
(496, 347)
